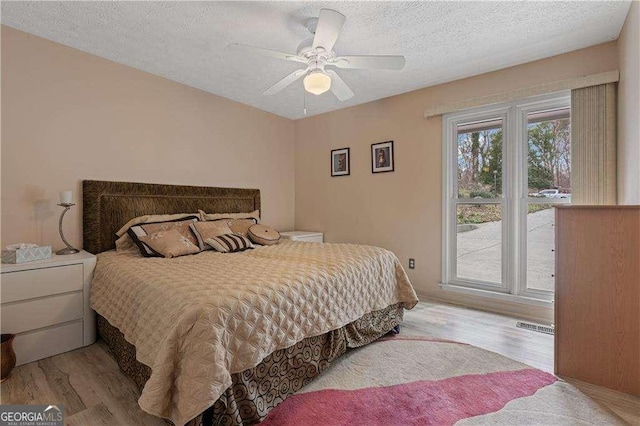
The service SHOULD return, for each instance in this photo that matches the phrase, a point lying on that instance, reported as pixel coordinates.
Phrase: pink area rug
(417, 381)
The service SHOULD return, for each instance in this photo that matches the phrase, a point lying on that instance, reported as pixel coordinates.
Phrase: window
(506, 166)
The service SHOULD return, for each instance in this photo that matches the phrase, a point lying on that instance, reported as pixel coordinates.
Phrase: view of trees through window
(548, 159)
(480, 161)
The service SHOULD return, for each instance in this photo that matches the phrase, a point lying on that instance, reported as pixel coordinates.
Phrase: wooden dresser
(46, 304)
(597, 300)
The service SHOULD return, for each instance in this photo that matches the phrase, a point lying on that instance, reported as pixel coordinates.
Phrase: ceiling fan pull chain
(304, 102)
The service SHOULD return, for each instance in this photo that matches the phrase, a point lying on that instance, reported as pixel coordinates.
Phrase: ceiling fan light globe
(317, 83)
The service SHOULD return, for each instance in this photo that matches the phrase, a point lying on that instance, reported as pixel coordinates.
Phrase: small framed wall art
(340, 162)
(382, 157)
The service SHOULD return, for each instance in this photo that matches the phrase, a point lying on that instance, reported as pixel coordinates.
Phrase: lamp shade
(317, 83)
(66, 197)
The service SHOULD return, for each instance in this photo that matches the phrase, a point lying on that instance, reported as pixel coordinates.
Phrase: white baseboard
(517, 311)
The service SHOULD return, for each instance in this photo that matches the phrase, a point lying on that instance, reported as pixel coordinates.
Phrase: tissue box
(26, 254)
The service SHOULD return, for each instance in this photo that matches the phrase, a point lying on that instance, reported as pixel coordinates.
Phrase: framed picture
(340, 162)
(382, 157)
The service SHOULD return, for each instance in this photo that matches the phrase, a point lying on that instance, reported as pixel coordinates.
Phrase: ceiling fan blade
(243, 48)
(328, 29)
(285, 82)
(374, 62)
(339, 87)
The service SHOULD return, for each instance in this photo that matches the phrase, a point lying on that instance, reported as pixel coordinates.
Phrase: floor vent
(535, 327)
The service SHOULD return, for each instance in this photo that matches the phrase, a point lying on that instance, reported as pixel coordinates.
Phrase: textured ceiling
(442, 41)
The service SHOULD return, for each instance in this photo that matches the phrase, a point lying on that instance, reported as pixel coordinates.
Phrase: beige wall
(629, 109)
(69, 116)
(401, 211)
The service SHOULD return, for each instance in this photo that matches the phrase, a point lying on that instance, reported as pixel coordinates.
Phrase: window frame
(514, 200)
(523, 108)
(450, 191)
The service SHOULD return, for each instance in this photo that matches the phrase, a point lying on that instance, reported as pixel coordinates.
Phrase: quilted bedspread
(195, 320)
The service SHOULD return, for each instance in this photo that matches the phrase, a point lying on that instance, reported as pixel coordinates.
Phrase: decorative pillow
(205, 230)
(125, 244)
(264, 235)
(182, 226)
(217, 216)
(241, 226)
(229, 243)
(169, 243)
(154, 218)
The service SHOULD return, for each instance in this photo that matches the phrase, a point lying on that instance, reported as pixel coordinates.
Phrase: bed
(217, 338)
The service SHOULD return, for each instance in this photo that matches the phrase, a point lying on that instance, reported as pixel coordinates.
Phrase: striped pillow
(204, 230)
(229, 243)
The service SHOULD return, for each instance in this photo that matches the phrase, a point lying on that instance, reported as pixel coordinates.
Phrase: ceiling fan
(318, 54)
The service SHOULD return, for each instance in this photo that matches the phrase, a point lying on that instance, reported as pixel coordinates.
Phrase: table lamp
(66, 198)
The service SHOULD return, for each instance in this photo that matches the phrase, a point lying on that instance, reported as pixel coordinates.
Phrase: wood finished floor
(93, 391)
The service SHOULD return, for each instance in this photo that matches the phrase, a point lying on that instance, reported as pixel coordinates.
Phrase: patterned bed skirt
(256, 391)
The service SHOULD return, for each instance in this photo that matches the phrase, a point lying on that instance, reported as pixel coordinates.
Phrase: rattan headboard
(109, 205)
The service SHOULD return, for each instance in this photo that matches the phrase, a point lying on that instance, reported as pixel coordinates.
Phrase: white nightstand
(312, 237)
(46, 304)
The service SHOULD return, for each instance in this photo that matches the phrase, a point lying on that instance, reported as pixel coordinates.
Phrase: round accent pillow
(264, 235)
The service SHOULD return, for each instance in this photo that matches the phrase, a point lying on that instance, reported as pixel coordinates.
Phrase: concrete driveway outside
(480, 251)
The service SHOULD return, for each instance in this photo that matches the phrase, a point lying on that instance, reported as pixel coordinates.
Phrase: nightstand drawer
(29, 315)
(41, 282)
(47, 342)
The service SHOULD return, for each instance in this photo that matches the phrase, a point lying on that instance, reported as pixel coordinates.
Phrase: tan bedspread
(195, 320)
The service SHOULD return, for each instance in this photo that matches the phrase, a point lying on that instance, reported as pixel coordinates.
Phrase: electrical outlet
(412, 264)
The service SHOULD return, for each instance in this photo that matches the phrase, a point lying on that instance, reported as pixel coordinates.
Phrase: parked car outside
(551, 193)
